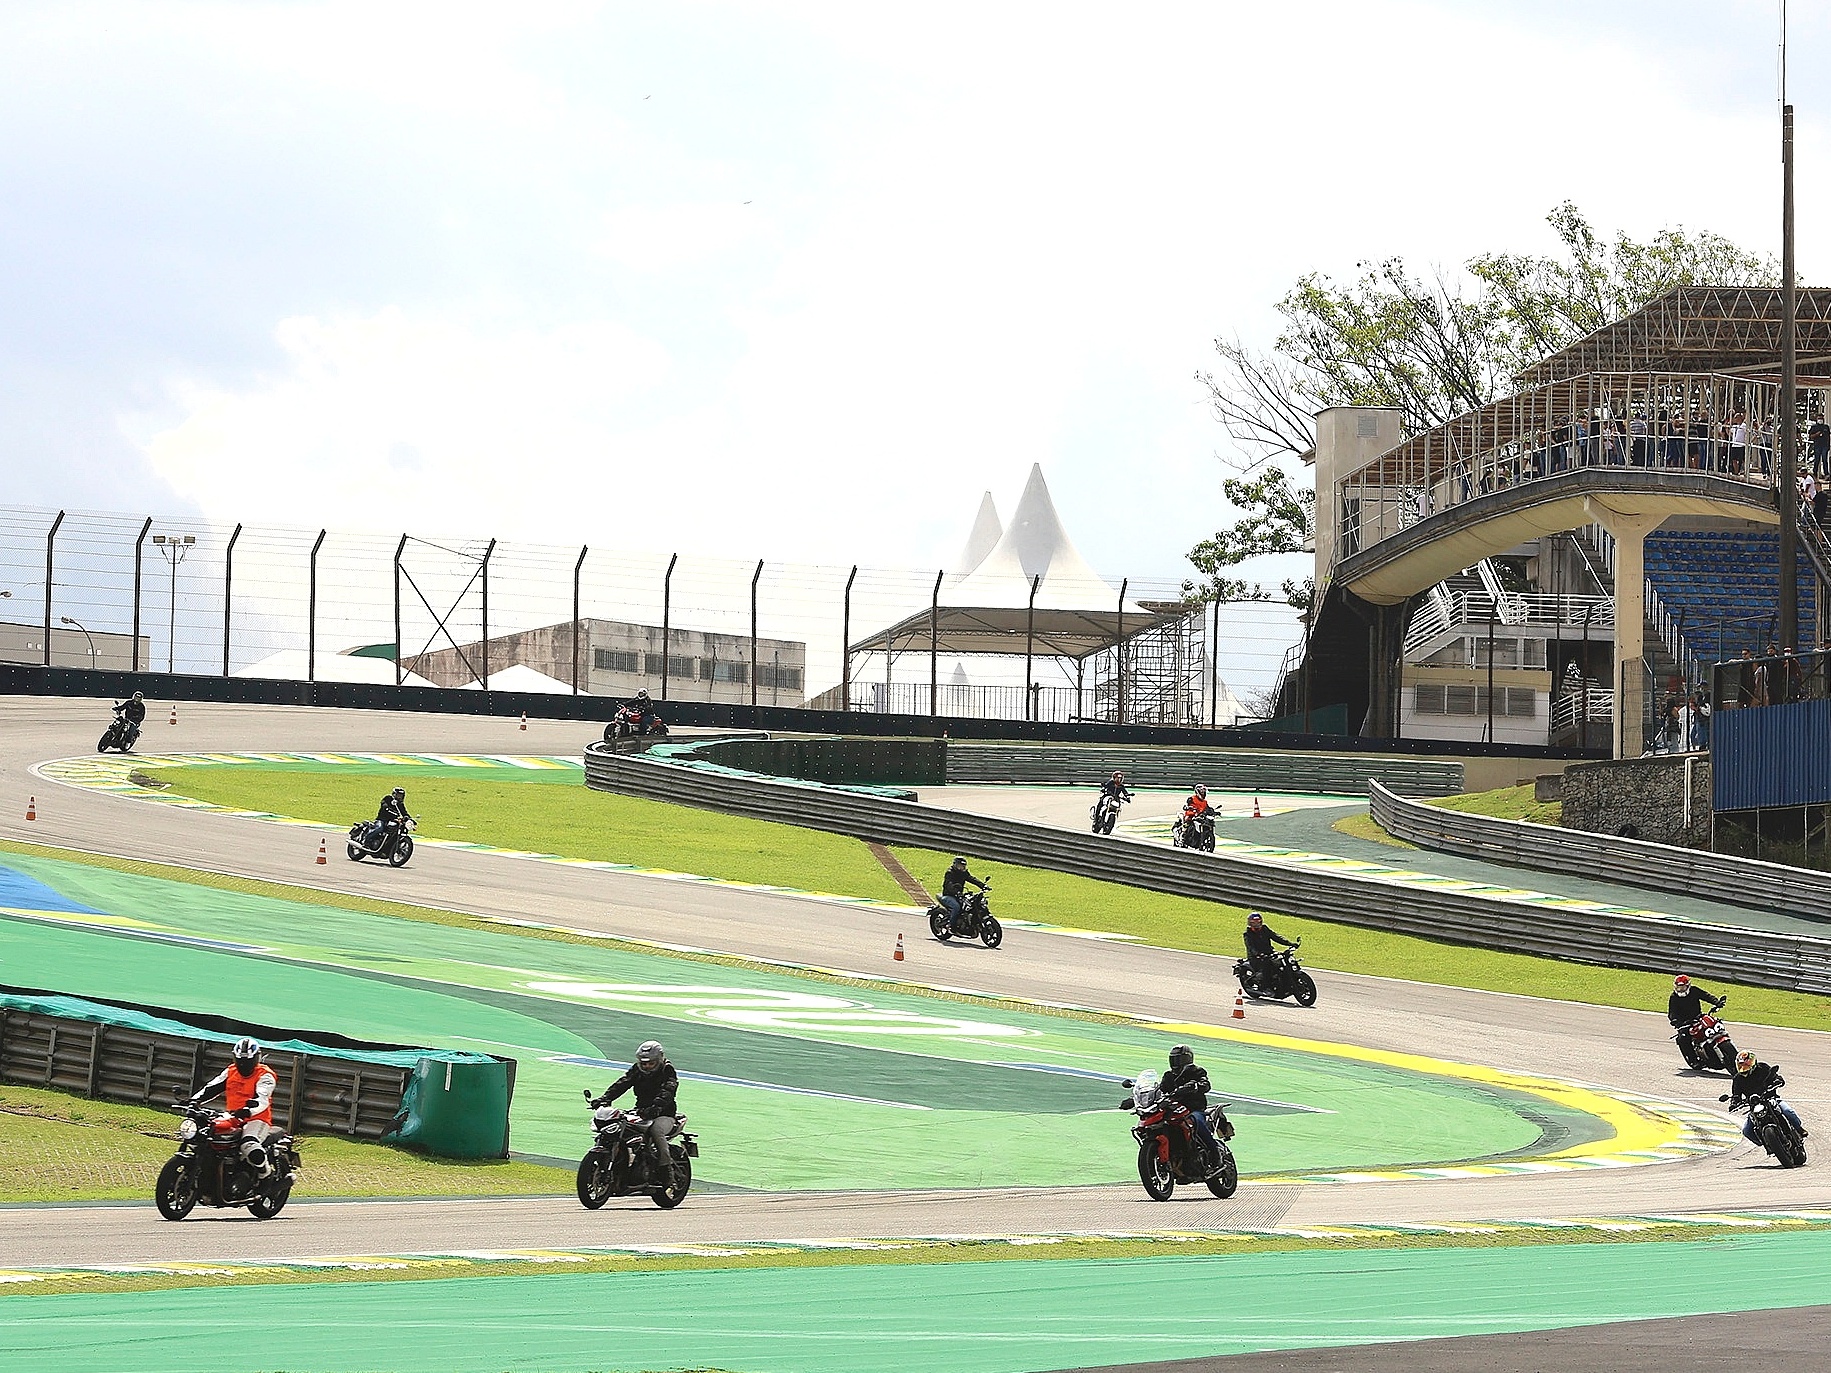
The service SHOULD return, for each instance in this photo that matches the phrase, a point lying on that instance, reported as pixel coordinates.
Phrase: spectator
(1818, 441)
(1637, 440)
(1738, 443)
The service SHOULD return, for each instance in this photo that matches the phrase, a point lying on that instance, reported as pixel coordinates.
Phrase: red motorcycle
(1168, 1151)
(1705, 1044)
(630, 721)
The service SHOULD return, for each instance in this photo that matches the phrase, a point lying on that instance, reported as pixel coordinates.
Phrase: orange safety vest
(238, 1091)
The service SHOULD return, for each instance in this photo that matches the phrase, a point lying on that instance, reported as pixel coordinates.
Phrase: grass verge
(1506, 803)
(1366, 827)
(58, 1147)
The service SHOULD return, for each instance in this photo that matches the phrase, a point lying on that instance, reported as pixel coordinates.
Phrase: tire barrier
(1649, 943)
(1631, 862)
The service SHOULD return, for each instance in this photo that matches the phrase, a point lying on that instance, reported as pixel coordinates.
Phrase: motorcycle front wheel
(403, 850)
(1224, 1183)
(594, 1180)
(176, 1191)
(667, 1198)
(1154, 1172)
(938, 926)
(991, 932)
(1726, 1056)
(102, 744)
(269, 1203)
(1305, 990)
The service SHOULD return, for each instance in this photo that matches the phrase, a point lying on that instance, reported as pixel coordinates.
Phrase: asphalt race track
(1619, 1050)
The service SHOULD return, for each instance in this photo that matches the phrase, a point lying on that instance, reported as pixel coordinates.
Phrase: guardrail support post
(228, 593)
(934, 646)
(139, 550)
(845, 645)
(1030, 647)
(667, 606)
(399, 548)
(577, 623)
(755, 577)
(311, 615)
(50, 547)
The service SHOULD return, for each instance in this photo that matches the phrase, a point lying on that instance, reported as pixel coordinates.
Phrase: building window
(771, 677)
(712, 670)
(679, 665)
(1427, 699)
(614, 660)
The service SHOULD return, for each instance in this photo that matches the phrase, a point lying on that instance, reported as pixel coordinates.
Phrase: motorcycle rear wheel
(667, 1198)
(938, 926)
(1305, 991)
(403, 850)
(355, 851)
(1154, 1173)
(1224, 1183)
(175, 1193)
(270, 1202)
(991, 933)
(594, 1180)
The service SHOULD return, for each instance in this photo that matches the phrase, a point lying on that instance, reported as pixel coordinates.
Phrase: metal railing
(1654, 943)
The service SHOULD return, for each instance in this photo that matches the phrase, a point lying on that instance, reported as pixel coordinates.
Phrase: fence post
(667, 607)
(311, 615)
(488, 552)
(228, 594)
(50, 547)
(1119, 651)
(139, 548)
(754, 578)
(1214, 669)
(399, 548)
(845, 646)
(1030, 647)
(577, 568)
(934, 647)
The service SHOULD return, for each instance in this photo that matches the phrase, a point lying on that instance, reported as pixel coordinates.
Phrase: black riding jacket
(1189, 1085)
(1116, 790)
(1685, 1008)
(654, 1091)
(1259, 942)
(392, 812)
(134, 711)
(954, 883)
(1758, 1080)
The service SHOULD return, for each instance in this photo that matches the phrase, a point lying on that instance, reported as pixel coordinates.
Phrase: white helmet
(246, 1054)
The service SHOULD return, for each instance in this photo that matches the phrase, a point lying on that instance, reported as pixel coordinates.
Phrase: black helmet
(650, 1055)
(959, 862)
(246, 1054)
(1181, 1056)
(400, 793)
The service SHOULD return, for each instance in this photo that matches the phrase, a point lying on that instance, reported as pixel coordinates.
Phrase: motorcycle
(209, 1170)
(123, 734)
(629, 722)
(1168, 1150)
(975, 921)
(619, 1162)
(1105, 813)
(1705, 1044)
(372, 839)
(1777, 1134)
(1193, 831)
(1286, 978)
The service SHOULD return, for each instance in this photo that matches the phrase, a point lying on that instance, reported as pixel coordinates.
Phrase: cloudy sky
(791, 280)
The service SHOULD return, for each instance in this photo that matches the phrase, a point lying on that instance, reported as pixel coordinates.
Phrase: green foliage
(1280, 518)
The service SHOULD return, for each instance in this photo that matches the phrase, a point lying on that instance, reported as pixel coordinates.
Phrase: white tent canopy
(290, 664)
(987, 531)
(521, 677)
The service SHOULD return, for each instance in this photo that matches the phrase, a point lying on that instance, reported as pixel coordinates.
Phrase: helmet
(959, 862)
(1745, 1060)
(1181, 1056)
(246, 1054)
(400, 793)
(1254, 919)
(1201, 789)
(138, 696)
(1118, 776)
(1681, 984)
(650, 1055)
(642, 695)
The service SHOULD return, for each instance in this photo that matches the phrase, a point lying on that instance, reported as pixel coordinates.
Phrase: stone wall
(1640, 798)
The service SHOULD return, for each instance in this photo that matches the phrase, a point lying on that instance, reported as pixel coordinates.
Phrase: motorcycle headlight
(187, 1129)
(602, 1116)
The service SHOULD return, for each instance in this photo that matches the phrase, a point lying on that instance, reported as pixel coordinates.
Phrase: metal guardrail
(1225, 769)
(314, 1094)
(1631, 862)
(1652, 943)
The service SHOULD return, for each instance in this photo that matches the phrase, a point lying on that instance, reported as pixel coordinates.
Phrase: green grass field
(1508, 803)
(57, 1147)
(575, 822)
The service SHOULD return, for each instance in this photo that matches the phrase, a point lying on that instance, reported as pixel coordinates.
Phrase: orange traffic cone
(1255, 809)
(174, 719)
(524, 719)
(31, 807)
(1239, 1006)
(321, 857)
(898, 955)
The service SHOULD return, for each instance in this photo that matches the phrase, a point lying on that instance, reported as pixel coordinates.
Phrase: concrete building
(25, 643)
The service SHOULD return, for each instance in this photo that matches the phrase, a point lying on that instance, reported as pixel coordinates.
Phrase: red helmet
(1255, 920)
(1681, 984)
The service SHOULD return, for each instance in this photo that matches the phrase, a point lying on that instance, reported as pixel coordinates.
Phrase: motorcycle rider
(133, 710)
(1197, 812)
(655, 1083)
(953, 889)
(391, 815)
(1114, 787)
(644, 711)
(1187, 1083)
(1754, 1078)
(247, 1087)
(1684, 1007)
(1259, 940)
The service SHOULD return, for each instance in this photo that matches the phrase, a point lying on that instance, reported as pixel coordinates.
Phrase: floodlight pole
(311, 615)
(1030, 647)
(845, 645)
(934, 647)
(139, 552)
(50, 545)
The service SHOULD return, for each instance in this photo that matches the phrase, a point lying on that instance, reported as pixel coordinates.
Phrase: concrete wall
(25, 643)
(1644, 795)
(1347, 438)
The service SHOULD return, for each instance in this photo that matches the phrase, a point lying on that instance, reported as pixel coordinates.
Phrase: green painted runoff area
(792, 1082)
(1019, 1316)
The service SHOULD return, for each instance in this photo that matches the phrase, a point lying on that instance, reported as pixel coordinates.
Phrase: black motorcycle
(1105, 813)
(1284, 977)
(629, 722)
(1168, 1151)
(209, 1170)
(1777, 1134)
(373, 839)
(122, 735)
(1193, 832)
(975, 921)
(621, 1162)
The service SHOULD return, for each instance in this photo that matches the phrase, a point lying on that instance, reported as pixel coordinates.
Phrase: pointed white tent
(290, 664)
(987, 531)
(1076, 614)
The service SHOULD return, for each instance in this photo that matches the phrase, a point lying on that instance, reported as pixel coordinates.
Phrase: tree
(1429, 349)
